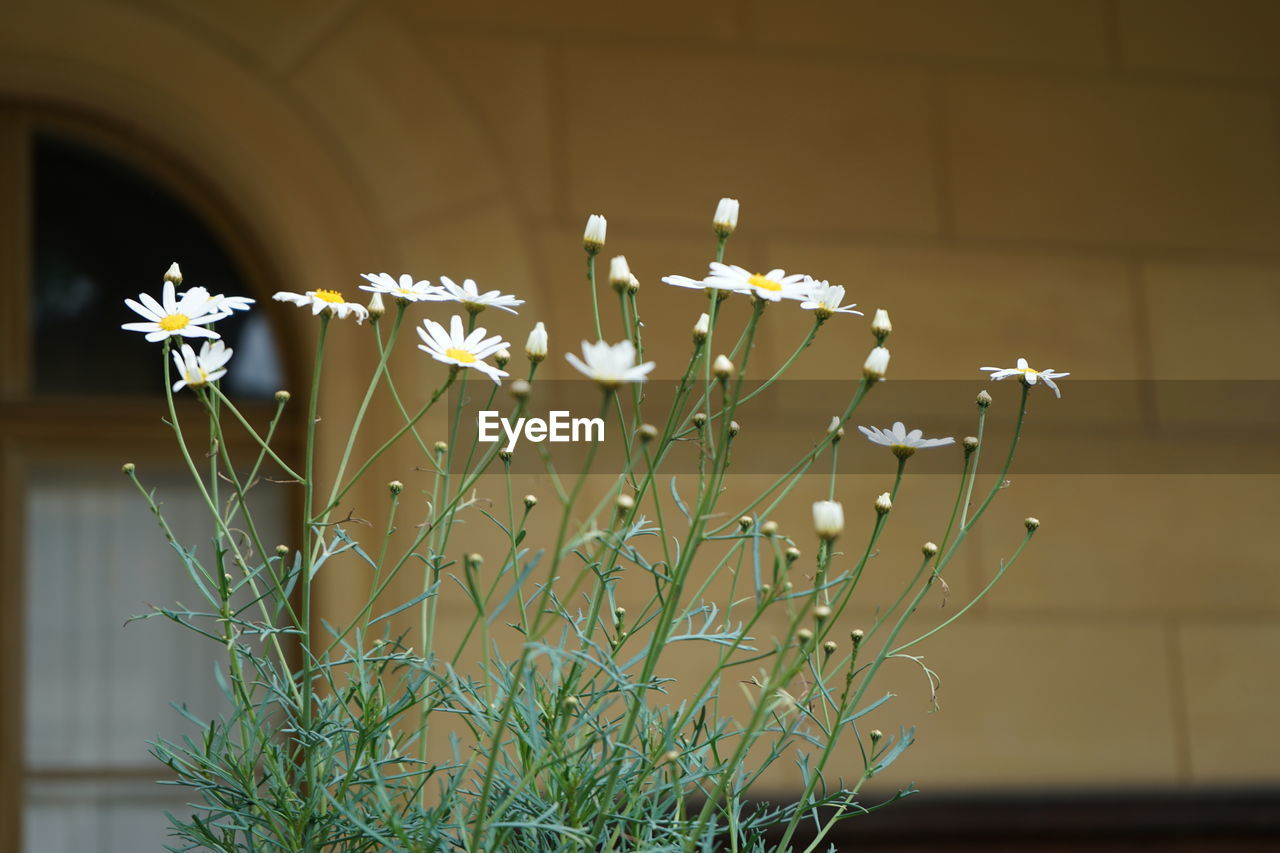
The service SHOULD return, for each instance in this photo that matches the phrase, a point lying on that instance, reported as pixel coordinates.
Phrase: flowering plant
(565, 729)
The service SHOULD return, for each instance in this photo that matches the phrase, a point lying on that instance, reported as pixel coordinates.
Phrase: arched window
(88, 216)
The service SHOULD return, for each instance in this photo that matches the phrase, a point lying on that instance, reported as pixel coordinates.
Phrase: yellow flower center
(764, 283)
(174, 322)
(460, 355)
(329, 296)
(1026, 370)
(406, 291)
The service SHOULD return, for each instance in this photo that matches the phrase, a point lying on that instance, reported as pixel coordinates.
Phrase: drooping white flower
(901, 442)
(536, 347)
(324, 300)
(726, 218)
(877, 363)
(828, 519)
(593, 235)
(1027, 375)
(403, 288)
(610, 364)
(459, 348)
(471, 298)
(195, 370)
(171, 316)
(824, 299)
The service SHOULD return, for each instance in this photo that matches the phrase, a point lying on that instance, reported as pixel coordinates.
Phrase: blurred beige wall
(1094, 184)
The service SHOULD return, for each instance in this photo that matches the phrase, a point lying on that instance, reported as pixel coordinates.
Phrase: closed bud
(930, 549)
(970, 444)
(669, 756)
(593, 234)
(855, 636)
(441, 448)
(625, 503)
(821, 613)
(701, 328)
(828, 520)
(536, 346)
(281, 550)
(1032, 524)
(474, 561)
(520, 389)
(505, 455)
(647, 432)
(875, 735)
(633, 286)
(792, 554)
(571, 703)
(722, 367)
(837, 431)
(173, 274)
(880, 325)
(769, 528)
(128, 468)
(765, 589)
(884, 503)
(734, 429)
(804, 636)
(530, 501)
(396, 487)
(282, 397)
(700, 419)
(502, 357)
(619, 273)
(376, 308)
(726, 218)
(745, 523)
(984, 399)
(829, 647)
(619, 614)
(877, 364)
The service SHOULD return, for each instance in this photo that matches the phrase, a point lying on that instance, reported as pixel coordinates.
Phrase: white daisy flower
(228, 305)
(773, 285)
(324, 300)
(471, 298)
(171, 316)
(403, 288)
(208, 366)
(1027, 374)
(825, 299)
(610, 365)
(459, 348)
(901, 442)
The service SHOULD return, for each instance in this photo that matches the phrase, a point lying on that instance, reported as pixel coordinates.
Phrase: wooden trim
(15, 244)
(13, 643)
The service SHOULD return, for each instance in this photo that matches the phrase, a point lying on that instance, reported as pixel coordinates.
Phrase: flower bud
(505, 455)
(701, 328)
(502, 357)
(173, 274)
(625, 503)
(128, 468)
(930, 549)
(877, 363)
(647, 432)
(837, 431)
(536, 347)
(875, 735)
(804, 636)
(726, 218)
(745, 523)
(669, 756)
(441, 448)
(619, 615)
(699, 419)
(530, 501)
(855, 636)
(984, 399)
(821, 613)
(593, 235)
(722, 367)
(828, 520)
(734, 429)
(282, 397)
(633, 286)
(281, 550)
(619, 273)
(520, 389)
(376, 308)
(570, 703)
(1031, 523)
(396, 487)
(792, 554)
(880, 325)
(769, 528)
(884, 503)
(474, 561)
(829, 647)
(970, 444)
